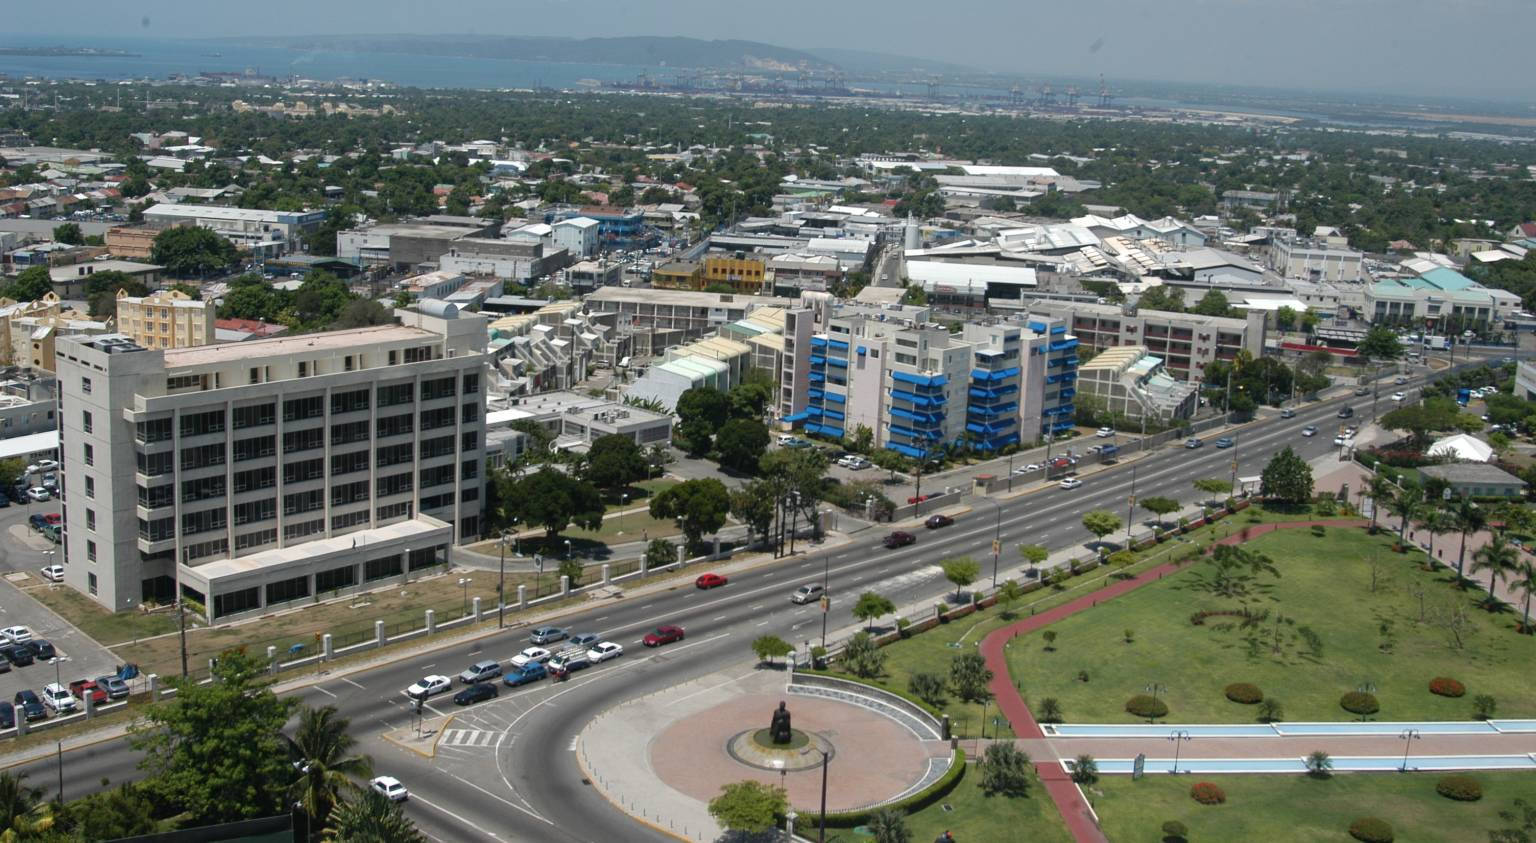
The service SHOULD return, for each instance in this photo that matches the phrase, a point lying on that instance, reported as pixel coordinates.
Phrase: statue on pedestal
(779, 729)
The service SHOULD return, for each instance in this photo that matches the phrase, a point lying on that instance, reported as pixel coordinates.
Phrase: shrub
(1319, 530)
(1207, 793)
(1446, 687)
(1460, 788)
(1175, 830)
(1359, 702)
(1145, 705)
(1245, 693)
(1371, 830)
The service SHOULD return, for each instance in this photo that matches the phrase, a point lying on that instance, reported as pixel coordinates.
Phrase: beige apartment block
(165, 319)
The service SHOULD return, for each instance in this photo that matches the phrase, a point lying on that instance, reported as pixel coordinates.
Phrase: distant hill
(861, 61)
(635, 50)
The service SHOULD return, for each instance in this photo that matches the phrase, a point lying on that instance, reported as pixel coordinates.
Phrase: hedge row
(848, 677)
(916, 802)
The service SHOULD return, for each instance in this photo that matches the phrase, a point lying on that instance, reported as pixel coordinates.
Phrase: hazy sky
(1462, 47)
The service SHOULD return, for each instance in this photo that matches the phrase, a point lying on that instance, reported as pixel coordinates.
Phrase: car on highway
(934, 522)
(478, 692)
(1193, 442)
(17, 654)
(1224, 442)
(524, 674)
(1399, 396)
(605, 651)
(1070, 483)
(547, 635)
(58, 698)
(390, 788)
(1104, 432)
(1345, 412)
(583, 640)
(707, 581)
(807, 593)
(38, 494)
(54, 573)
(41, 648)
(531, 655)
(80, 687)
(116, 688)
(1309, 430)
(569, 662)
(1287, 413)
(429, 685)
(480, 671)
(664, 634)
(7, 716)
(1362, 390)
(31, 707)
(898, 539)
(1342, 440)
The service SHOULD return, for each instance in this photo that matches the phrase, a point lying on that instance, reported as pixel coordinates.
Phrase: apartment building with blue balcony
(994, 394)
(1050, 370)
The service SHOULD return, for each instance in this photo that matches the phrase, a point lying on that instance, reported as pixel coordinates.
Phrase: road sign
(997, 547)
(826, 603)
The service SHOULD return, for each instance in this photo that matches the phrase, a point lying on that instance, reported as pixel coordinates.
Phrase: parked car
(1224, 442)
(478, 692)
(547, 635)
(605, 651)
(798, 443)
(16, 634)
(37, 520)
(898, 539)
(480, 671)
(1070, 483)
(1342, 439)
(1362, 390)
(31, 707)
(80, 687)
(665, 634)
(116, 688)
(570, 661)
(1193, 442)
(1309, 430)
(531, 655)
(1034, 466)
(707, 581)
(808, 593)
(919, 499)
(7, 716)
(390, 787)
(785, 439)
(934, 522)
(54, 573)
(58, 698)
(42, 649)
(1104, 432)
(853, 462)
(17, 654)
(524, 674)
(38, 494)
(42, 465)
(427, 686)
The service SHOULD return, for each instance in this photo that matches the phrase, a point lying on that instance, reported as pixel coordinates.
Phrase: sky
(1412, 47)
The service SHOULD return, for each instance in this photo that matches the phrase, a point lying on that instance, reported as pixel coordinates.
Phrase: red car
(710, 581)
(899, 539)
(54, 518)
(663, 635)
(919, 498)
(79, 687)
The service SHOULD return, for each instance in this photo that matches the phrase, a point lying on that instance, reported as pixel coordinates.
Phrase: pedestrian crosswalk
(469, 738)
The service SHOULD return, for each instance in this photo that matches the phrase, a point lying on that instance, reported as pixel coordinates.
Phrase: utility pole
(1130, 508)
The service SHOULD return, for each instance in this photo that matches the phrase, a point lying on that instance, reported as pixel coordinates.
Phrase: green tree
(871, 605)
(30, 284)
(11, 471)
(318, 302)
(191, 250)
(969, 677)
(1007, 594)
(613, 462)
(370, 817)
(1523, 578)
(124, 811)
(1285, 318)
(1085, 770)
(769, 647)
(863, 657)
(748, 806)
(660, 552)
(749, 398)
(189, 290)
(961, 571)
(1101, 522)
(1287, 478)
(928, 687)
(1162, 298)
(753, 504)
(553, 500)
(741, 443)
(704, 403)
(322, 240)
(361, 313)
(23, 813)
(887, 826)
(573, 569)
(1380, 343)
(1050, 710)
(102, 289)
(1319, 764)
(68, 233)
(216, 750)
(1160, 506)
(1034, 554)
(696, 506)
(863, 438)
(1213, 303)
(321, 750)
(1499, 558)
(1005, 770)
(1380, 488)
(1406, 503)
(1213, 486)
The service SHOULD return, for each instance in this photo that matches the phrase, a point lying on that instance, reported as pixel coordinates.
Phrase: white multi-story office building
(262, 473)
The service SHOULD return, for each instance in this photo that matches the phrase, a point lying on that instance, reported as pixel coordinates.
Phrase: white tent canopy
(1464, 447)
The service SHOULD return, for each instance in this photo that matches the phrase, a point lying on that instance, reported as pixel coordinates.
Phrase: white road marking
(501, 800)
(719, 618)
(464, 820)
(467, 737)
(323, 691)
(428, 707)
(353, 684)
(764, 623)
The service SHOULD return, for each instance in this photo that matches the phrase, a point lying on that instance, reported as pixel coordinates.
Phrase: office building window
(256, 478)
(400, 393)
(345, 434)
(336, 578)
(90, 519)
(396, 426)
(470, 441)
(469, 470)
(85, 421)
(347, 520)
(349, 402)
(395, 510)
(90, 486)
(440, 475)
(251, 512)
(155, 497)
(159, 529)
(203, 550)
(393, 455)
(153, 430)
(302, 529)
(298, 472)
(441, 446)
(417, 355)
(349, 463)
(301, 502)
(437, 388)
(85, 386)
(471, 384)
(205, 521)
(295, 441)
(202, 489)
(256, 539)
(90, 582)
(202, 456)
(298, 409)
(303, 369)
(90, 550)
(378, 569)
(351, 492)
(255, 415)
(90, 455)
(430, 502)
(235, 602)
(471, 413)
(471, 493)
(285, 590)
(396, 484)
(198, 424)
(255, 448)
(433, 419)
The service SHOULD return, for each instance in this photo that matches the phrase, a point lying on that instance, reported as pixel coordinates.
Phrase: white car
(57, 699)
(429, 685)
(786, 439)
(1343, 441)
(390, 787)
(38, 494)
(1070, 483)
(16, 634)
(1026, 469)
(41, 466)
(54, 573)
(531, 655)
(806, 593)
(853, 462)
(605, 651)
(1398, 396)
(1104, 432)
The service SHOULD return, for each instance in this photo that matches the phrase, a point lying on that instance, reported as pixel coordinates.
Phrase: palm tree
(371, 818)
(1380, 491)
(1436, 522)
(887, 826)
(1406, 504)
(1498, 557)
(1525, 580)
(1470, 518)
(23, 813)
(1319, 764)
(320, 749)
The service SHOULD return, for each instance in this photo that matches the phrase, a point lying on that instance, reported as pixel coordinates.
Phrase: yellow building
(28, 330)
(679, 275)
(131, 242)
(166, 319)
(741, 273)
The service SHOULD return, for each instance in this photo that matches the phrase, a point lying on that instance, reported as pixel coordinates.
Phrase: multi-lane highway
(517, 778)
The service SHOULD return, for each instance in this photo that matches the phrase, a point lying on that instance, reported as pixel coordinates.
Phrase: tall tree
(1213, 303)
(871, 605)
(1160, 506)
(1524, 579)
(1406, 503)
(969, 677)
(753, 504)
(1380, 344)
(1101, 522)
(1005, 770)
(887, 826)
(962, 571)
(370, 817)
(701, 410)
(216, 750)
(191, 250)
(613, 462)
(748, 806)
(1498, 557)
(551, 499)
(1287, 478)
(321, 750)
(30, 284)
(1470, 519)
(741, 444)
(23, 813)
(68, 233)
(696, 506)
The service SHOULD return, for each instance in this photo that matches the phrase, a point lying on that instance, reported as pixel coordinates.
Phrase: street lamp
(1408, 737)
(1154, 689)
(997, 535)
(1130, 508)
(825, 757)
(57, 660)
(1178, 736)
(568, 549)
(501, 584)
(623, 507)
(464, 581)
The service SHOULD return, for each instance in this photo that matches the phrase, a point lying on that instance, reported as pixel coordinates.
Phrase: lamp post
(57, 660)
(1178, 736)
(623, 507)
(821, 837)
(1130, 508)
(501, 584)
(1408, 737)
(997, 537)
(1154, 689)
(568, 549)
(464, 581)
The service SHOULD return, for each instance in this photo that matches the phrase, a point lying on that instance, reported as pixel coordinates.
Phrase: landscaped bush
(1174, 830)
(1460, 788)
(1371, 830)
(1207, 793)
(1446, 687)
(1245, 693)
(1359, 702)
(1145, 705)
(1198, 618)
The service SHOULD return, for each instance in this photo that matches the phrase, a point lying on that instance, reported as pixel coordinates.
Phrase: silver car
(547, 635)
(480, 671)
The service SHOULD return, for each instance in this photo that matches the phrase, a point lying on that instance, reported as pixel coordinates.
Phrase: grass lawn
(1298, 808)
(101, 625)
(974, 817)
(1324, 587)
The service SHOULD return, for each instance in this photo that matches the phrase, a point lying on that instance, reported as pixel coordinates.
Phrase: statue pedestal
(755, 748)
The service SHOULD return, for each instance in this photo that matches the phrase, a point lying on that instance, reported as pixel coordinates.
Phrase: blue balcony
(836, 397)
(1063, 345)
(818, 360)
(836, 415)
(994, 443)
(930, 435)
(908, 450)
(843, 344)
(825, 430)
(926, 419)
(986, 376)
(920, 380)
(989, 429)
(1062, 377)
(817, 377)
(818, 342)
(994, 392)
(992, 410)
(797, 417)
(838, 361)
(918, 400)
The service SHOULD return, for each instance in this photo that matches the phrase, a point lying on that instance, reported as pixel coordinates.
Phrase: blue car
(1223, 442)
(531, 672)
(31, 707)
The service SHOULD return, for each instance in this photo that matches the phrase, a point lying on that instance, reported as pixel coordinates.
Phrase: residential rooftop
(213, 355)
